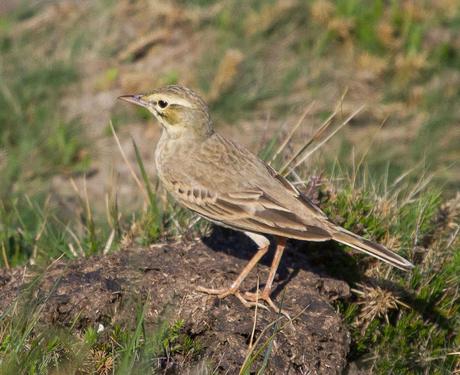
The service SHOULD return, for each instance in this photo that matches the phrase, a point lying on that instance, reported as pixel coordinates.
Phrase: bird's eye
(162, 104)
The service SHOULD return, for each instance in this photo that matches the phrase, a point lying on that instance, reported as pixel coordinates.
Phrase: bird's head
(178, 109)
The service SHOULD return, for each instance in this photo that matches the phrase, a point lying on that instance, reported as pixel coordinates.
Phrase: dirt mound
(105, 290)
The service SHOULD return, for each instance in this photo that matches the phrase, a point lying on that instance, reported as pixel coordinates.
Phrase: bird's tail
(371, 248)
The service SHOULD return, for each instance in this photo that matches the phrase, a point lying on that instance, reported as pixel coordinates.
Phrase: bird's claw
(225, 292)
(264, 296)
(248, 300)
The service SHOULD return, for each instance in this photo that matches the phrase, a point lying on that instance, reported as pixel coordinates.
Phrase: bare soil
(107, 290)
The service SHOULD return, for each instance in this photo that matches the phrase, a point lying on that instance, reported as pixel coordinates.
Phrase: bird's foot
(265, 296)
(248, 300)
(225, 292)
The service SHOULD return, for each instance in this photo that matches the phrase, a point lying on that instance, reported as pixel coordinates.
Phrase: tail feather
(371, 248)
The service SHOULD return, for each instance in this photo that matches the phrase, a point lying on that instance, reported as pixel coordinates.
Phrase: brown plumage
(227, 184)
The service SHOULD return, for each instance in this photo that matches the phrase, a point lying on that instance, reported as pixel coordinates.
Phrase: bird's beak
(135, 99)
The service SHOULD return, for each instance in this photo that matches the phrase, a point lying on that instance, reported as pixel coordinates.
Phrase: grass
(418, 334)
(36, 143)
(400, 323)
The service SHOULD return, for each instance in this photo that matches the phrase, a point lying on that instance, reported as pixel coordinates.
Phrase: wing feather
(250, 209)
(293, 190)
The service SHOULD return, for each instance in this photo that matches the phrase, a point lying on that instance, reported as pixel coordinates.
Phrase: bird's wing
(253, 210)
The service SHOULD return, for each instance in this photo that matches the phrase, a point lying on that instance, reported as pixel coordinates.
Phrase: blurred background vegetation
(66, 190)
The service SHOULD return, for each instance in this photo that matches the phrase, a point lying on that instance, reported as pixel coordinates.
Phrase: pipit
(228, 185)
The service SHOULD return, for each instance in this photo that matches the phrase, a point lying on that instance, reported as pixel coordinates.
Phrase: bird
(225, 183)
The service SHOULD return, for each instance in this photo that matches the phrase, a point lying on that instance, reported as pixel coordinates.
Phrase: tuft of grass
(403, 323)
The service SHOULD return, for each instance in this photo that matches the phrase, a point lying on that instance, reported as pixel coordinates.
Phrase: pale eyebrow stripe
(171, 100)
(180, 101)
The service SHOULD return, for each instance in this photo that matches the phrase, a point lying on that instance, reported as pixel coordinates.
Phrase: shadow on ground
(324, 258)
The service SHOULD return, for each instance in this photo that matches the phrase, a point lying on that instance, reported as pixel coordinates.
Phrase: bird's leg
(263, 244)
(265, 295)
(234, 288)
